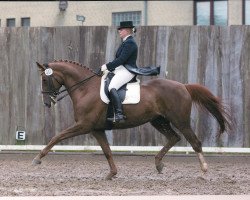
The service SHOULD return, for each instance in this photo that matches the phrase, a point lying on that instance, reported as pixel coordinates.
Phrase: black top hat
(126, 24)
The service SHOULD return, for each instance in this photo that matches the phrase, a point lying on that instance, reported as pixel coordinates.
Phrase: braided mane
(75, 63)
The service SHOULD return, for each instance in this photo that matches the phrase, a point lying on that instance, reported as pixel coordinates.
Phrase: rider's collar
(126, 38)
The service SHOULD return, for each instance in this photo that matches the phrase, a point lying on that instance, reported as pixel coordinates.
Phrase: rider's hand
(104, 67)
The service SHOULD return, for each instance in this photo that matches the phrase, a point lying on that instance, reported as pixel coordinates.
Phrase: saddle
(129, 94)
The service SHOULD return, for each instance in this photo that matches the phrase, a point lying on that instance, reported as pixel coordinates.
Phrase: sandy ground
(81, 174)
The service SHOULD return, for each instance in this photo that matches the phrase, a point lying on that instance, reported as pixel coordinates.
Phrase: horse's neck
(81, 77)
(74, 74)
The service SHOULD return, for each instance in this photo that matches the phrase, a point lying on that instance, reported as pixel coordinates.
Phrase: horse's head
(51, 83)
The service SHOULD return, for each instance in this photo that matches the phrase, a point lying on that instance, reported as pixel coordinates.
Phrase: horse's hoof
(204, 167)
(36, 162)
(110, 176)
(160, 168)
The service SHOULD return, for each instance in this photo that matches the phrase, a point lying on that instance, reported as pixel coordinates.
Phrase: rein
(53, 92)
(70, 88)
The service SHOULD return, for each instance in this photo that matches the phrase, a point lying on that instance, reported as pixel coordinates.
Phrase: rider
(125, 67)
(126, 55)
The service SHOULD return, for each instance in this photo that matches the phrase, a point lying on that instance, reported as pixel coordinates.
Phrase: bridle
(53, 92)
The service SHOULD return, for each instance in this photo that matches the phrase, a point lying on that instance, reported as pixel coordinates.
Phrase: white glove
(103, 67)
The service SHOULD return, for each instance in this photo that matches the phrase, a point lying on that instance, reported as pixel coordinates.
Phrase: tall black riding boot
(115, 99)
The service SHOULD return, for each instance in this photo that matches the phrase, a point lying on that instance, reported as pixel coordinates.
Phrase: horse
(166, 104)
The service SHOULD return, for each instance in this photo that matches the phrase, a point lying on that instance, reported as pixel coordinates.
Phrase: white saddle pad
(132, 93)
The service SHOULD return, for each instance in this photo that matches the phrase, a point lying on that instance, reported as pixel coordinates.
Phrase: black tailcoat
(125, 55)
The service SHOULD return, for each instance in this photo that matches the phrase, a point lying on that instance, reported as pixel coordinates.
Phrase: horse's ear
(41, 67)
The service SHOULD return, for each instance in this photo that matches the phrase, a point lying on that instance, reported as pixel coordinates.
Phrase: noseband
(53, 92)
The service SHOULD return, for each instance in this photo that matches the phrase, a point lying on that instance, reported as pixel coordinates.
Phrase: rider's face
(123, 32)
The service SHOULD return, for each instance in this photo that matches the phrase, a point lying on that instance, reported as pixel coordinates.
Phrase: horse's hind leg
(102, 140)
(195, 143)
(164, 127)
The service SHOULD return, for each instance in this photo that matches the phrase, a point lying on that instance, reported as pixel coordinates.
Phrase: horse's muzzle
(47, 99)
(47, 105)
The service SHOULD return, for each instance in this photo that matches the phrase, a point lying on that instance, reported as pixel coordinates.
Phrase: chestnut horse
(164, 103)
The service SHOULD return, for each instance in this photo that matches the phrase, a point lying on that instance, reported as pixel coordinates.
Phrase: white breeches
(122, 76)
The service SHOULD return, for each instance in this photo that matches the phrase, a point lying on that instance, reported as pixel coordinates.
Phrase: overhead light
(63, 5)
(80, 18)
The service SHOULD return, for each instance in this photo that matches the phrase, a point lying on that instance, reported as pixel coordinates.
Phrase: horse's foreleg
(163, 126)
(102, 140)
(70, 132)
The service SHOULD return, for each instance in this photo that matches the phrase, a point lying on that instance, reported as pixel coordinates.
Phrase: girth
(121, 92)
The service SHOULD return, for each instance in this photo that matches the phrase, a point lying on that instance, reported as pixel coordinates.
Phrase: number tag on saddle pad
(48, 72)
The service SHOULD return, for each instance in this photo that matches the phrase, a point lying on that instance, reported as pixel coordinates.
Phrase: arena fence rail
(129, 149)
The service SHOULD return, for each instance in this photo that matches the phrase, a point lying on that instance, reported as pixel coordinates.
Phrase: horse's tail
(205, 99)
